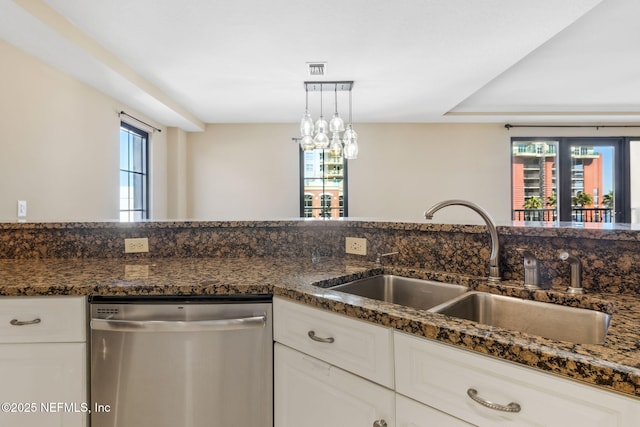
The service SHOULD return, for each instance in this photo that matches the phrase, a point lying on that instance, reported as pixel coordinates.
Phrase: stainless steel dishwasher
(187, 362)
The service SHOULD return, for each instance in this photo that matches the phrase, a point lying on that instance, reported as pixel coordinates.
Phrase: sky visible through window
(133, 174)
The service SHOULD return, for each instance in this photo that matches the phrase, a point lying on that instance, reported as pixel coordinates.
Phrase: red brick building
(534, 174)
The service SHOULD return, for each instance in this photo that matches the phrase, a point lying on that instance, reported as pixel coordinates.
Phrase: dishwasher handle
(178, 325)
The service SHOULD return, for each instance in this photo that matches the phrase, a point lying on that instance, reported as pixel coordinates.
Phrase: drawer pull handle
(16, 322)
(511, 407)
(313, 336)
(380, 423)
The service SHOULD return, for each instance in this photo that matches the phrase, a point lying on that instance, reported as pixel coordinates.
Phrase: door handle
(178, 325)
(510, 407)
(313, 336)
(16, 322)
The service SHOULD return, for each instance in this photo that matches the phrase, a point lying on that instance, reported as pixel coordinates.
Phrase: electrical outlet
(136, 245)
(355, 245)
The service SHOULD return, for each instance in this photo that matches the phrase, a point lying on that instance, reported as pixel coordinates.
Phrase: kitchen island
(613, 365)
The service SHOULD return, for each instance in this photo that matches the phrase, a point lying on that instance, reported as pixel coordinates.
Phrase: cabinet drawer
(61, 319)
(357, 346)
(440, 376)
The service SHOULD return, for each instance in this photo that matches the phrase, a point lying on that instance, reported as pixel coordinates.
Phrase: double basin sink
(558, 322)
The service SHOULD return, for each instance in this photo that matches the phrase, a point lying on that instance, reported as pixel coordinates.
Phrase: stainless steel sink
(576, 325)
(416, 293)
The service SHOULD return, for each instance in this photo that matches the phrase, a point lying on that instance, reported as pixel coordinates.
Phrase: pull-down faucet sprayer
(494, 269)
(575, 287)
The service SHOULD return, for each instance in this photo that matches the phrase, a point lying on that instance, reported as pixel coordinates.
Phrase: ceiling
(192, 62)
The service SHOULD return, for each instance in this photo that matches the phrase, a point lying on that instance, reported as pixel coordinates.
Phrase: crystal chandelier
(332, 135)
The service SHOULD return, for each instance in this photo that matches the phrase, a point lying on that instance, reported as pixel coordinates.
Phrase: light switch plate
(22, 208)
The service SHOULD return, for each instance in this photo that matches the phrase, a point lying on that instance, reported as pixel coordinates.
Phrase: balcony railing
(577, 214)
(592, 215)
(535, 215)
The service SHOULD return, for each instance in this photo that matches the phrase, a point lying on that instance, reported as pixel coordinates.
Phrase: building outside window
(323, 186)
(570, 179)
(134, 174)
(325, 205)
(308, 206)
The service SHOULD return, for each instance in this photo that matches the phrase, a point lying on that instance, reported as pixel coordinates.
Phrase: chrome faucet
(379, 257)
(575, 286)
(494, 269)
(531, 271)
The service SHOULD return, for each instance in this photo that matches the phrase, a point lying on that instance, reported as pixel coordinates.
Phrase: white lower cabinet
(42, 384)
(330, 369)
(343, 379)
(357, 346)
(43, 359)
(410, 413)
(313, 393)
(446, 378)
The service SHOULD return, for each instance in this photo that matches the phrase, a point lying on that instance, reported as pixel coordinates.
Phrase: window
(634, 169)
(308, 206)
(323, 185)
(570, 179)
(134, 182)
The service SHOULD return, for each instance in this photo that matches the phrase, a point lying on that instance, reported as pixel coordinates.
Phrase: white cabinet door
(354, 345)
(410, 413)
(312, 393)
(442, 376)
(43, 385)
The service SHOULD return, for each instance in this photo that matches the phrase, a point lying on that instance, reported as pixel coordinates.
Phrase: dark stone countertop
(614, 365)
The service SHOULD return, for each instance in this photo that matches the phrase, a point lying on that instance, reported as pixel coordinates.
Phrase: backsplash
(610, 258)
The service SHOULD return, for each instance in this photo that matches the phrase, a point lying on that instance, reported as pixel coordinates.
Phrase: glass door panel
(534, 189)
(593, 180)
(634, 159)
(574, 179)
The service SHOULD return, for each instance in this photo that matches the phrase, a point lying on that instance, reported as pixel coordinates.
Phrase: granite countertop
(614, 365)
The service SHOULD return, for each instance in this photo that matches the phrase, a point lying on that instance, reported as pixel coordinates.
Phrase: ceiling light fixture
(316, 135)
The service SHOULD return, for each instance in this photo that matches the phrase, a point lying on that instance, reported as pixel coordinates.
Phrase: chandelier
(341, 140)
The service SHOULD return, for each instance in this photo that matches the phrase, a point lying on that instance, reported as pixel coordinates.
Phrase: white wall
(243, 172)
(59, 145)
(403, 169)
(177, 191)
(252, 171)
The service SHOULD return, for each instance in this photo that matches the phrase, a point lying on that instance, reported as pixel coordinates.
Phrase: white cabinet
(313, 393)
(444, 377)
(354, 345)
(324, 371)
(43, 354)
(435, 384)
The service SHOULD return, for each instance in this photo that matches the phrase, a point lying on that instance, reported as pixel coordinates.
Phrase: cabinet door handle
(379, 423)
(312, 335)
(16, 322)
(510, 407)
